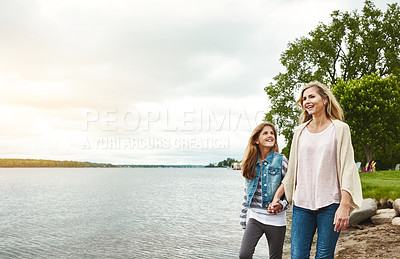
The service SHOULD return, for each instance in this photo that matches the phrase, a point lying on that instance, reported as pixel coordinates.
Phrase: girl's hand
(274, 208)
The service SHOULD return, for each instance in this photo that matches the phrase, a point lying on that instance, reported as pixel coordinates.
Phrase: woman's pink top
(317, 179)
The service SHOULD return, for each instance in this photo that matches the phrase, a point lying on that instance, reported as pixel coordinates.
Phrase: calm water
(121, 213)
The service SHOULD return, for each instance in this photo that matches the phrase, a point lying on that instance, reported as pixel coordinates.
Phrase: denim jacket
(270, 171)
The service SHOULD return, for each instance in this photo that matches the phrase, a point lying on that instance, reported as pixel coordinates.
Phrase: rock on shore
(396, 206)
(396, 221)
(367, 210)
(384, 216)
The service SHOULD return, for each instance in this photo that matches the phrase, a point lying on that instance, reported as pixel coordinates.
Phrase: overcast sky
(143, 82)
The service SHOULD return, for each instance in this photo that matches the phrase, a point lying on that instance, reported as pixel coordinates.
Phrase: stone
(396, 221)
(368, 209)
(383, 216)
(396, 206)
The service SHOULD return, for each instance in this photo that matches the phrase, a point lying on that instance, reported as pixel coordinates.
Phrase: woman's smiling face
(312, 101)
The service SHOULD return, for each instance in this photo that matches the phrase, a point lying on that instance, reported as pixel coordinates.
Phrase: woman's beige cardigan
(349, 179)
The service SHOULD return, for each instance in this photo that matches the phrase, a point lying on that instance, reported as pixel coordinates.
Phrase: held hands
(275, 207)
(341, 218)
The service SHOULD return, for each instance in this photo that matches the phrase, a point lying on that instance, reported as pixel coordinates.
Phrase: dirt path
(366, 241)
(381, 241)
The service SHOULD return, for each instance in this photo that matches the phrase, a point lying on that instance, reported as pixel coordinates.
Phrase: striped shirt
(257, 211)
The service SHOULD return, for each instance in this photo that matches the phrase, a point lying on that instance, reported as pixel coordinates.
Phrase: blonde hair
(332, 107)
(252, 150)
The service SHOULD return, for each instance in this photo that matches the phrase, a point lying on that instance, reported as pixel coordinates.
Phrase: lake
(121, 213)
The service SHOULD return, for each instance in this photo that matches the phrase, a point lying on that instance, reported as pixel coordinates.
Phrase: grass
(381, 184)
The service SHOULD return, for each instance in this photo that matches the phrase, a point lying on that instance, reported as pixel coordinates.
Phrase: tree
(210, 165)
(227, 162)
(371, 107)
(350, 46)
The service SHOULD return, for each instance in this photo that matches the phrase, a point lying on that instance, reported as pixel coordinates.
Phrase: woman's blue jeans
(304, 224)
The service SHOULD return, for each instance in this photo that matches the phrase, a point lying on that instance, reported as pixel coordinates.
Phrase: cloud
(177, 70)
(128, 52)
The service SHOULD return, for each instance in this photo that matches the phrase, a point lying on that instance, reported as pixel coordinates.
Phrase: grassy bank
(381, 184)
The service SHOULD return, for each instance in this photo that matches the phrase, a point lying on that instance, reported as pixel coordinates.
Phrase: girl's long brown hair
(252, 150)
(332, 108)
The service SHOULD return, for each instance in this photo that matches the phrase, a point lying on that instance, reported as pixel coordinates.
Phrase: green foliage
(371, 107)
(381, 184)
(350, 46)
(283, 112)
(225, 163)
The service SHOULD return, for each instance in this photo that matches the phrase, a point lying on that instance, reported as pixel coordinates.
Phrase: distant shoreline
(160, 166)
(17, 163)
(42, 163)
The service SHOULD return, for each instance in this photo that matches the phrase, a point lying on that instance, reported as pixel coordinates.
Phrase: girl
(322, 178)
(263, 169)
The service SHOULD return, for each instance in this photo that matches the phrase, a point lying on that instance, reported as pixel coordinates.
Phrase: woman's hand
(341, 218)
(343, 212)
(274, 207)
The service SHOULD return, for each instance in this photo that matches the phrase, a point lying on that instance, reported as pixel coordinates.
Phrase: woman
(263, 169)
(322, 178)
